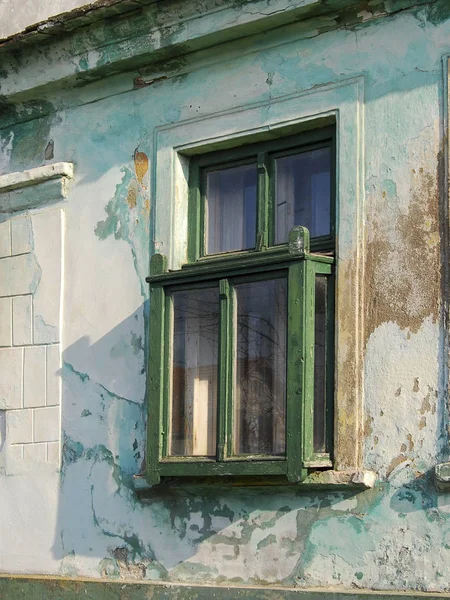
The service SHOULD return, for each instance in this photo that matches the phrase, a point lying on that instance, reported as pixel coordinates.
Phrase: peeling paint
(140, 165)
(392, 421)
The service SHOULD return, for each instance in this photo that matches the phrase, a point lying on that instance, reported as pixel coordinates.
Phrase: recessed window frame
(264, 154)
(301, 266)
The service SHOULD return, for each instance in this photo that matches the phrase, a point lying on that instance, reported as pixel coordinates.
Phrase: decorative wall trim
(340, 103)
(27, 189)
(11, 181)
(31, 272)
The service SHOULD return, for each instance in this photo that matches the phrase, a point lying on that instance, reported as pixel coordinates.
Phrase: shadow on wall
(103, 425)
(185, 533)
(204, 534)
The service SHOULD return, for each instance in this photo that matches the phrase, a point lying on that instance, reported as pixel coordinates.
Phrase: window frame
(265, 154)
(301, 267)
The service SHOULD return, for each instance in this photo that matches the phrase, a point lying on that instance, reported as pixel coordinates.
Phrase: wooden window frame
(265, 154)
(301, 261)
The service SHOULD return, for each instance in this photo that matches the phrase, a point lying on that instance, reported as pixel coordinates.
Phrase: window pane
(231, 209)
(303, 193)
(194, 373)
(320, 353)
(260, 369)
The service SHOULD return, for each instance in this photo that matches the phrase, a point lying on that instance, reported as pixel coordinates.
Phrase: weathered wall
(15, 15)
(86, 519)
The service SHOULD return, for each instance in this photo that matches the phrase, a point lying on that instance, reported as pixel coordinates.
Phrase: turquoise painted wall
(85, 519)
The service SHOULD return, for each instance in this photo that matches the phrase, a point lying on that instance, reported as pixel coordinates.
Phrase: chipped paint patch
(140, 165)
(403, 258)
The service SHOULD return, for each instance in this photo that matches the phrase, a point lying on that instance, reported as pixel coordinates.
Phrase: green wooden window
(241, 337)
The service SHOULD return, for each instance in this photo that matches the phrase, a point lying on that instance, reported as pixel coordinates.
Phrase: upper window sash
(264, 155)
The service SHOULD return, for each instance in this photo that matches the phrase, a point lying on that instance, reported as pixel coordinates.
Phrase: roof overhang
(146, 37)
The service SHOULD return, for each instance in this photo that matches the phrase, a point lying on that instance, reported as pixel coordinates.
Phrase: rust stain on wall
(132, 195)
(140, 165)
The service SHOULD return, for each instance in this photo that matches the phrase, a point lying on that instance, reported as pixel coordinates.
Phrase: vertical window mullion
(333, 188)
(298, 367)
(224, 391)
(157, 368)
(308, 388)
(329, 373)
(195, 215)
(323, 403)
(167, 373)
(263, 202)
(157, 364)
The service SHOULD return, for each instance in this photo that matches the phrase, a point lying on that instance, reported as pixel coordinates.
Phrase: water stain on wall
(402, 277)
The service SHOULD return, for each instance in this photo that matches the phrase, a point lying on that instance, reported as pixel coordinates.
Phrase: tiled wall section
(30, 356)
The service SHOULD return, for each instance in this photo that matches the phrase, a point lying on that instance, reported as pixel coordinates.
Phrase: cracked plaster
(392, 537)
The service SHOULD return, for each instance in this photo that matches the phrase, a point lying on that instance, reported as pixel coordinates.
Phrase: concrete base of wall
(13, 587)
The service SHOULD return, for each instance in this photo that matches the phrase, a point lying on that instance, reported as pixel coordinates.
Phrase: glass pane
(320, 352)
(194, 372)
(231, 209)
(260, 369)
(303, 194)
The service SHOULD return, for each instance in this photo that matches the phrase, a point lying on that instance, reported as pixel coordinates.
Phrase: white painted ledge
(317, 480)
(12, 181)
(36, 187)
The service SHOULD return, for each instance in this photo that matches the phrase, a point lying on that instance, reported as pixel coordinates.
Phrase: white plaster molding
(20, 179)
(35, 187)
(343, 102)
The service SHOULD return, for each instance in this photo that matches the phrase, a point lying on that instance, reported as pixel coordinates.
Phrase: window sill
(316, 480)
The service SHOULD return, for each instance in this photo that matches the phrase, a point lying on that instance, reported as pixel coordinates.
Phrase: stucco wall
(86, 519)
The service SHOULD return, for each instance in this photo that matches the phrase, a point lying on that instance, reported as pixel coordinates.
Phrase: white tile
(46, 424)
(11, 378)
(22, 326)
(46, 302)
(19, 426)
(35, 452)
(21, 235)
(53, 453)
(16, 452)
(5, 239)
(19, 275)
(34, 376)
(53, 375)
(5, 322)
